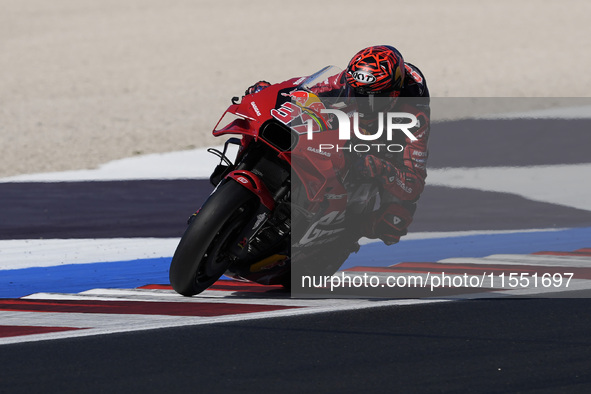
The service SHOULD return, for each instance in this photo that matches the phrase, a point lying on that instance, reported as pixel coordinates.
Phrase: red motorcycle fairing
(310, 164)
(253, 112)
(315, 168)
(284, 196)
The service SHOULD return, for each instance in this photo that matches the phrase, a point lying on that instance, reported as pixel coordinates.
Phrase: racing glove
(257, 87)
(373, 167)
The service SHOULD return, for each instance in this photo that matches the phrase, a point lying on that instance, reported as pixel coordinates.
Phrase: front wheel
(202, 255)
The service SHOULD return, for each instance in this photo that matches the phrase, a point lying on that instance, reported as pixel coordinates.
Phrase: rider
(379, 74)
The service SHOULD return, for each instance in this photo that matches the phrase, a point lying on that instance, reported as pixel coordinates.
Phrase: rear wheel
(202, 255)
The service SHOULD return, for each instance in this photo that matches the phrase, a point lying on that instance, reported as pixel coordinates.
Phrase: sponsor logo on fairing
(318, 151)
(256, 109)
(329, 224)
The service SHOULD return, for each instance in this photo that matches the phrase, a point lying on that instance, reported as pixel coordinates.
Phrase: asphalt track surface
(501, 345)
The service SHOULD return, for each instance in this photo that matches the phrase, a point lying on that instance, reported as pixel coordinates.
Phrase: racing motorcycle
(283, 206)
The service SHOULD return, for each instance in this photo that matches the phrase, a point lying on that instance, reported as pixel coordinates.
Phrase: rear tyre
(202, 255)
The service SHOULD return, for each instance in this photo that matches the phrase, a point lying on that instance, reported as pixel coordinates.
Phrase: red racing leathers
(401, 174)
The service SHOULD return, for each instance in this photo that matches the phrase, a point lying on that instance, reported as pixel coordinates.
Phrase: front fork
(266, 207)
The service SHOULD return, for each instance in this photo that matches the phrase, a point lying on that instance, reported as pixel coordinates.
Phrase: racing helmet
(376, 72)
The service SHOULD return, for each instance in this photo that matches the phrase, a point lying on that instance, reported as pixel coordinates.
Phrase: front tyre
(202, 255)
